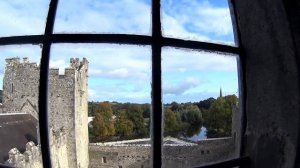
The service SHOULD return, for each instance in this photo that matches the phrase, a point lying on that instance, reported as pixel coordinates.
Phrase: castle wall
(81, 113)
(67, 101)
(207, 151)
(62, 107)
(31, 158)
(20, 87)
(58, 147)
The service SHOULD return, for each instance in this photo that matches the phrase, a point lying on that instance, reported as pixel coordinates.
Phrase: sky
(123, 72)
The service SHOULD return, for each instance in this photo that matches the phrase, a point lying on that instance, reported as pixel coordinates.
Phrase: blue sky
(123, 72)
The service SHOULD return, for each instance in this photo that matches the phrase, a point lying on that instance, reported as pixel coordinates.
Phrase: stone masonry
(180, 156)
(67, 101)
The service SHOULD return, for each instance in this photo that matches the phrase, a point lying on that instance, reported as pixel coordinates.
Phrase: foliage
(172, 123)
(135, 114)
(182, 120)
(117, 121)
(124, 126)
(102, 125)
(205, 104)
(219, 119)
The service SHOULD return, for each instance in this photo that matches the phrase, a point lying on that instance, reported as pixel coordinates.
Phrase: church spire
(220, 92)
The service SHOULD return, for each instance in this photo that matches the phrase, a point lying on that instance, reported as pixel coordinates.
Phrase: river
(200, 135)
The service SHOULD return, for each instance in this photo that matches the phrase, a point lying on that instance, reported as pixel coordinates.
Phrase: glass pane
(207, 20)
(200, 93)
(103, 16)
(19, 130)
(102, 102)
(18, 17)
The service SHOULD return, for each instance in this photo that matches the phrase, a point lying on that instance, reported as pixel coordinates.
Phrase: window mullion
(156, 115)
(43, 89)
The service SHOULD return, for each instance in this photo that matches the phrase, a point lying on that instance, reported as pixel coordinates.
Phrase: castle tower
(20, 87)
(68, 96)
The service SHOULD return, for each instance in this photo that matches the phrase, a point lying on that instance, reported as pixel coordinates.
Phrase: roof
(15, 131)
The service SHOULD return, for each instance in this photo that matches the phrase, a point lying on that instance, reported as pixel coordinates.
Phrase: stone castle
(68, 95)
(68, 124)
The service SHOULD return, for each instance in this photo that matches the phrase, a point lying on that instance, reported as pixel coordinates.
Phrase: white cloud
(108, 60)
(181, 87)
(197, 20)
(179, 60)
(114, 16)
(18, 17)
(120, 72)
(124, 71)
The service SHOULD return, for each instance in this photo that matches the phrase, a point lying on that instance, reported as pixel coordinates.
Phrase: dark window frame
(156, 41)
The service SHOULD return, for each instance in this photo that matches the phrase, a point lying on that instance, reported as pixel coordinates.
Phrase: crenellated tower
(68, 100)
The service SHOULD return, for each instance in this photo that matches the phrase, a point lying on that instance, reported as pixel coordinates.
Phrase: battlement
(12, 61)
(32, 156)
(75, 64)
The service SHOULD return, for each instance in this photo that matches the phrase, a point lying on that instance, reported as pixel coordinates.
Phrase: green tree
(135, 114)
(91, 108)
(102, 125)
(190, 113)
(175, 106)
(205, 104)
(219, 119)
(124, 126)
(172, 123)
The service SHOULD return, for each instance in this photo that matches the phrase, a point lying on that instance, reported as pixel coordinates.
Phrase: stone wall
(81, 112)
(20, 87)
(31, 158)
(270, 39)
(58, 147)
(67, 101)
(124, 156)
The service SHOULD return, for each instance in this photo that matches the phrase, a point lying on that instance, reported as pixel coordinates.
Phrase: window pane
(103, 16)
(200, 92)
(19, 131)
(207, 20)
(103, 98)
(18, 17)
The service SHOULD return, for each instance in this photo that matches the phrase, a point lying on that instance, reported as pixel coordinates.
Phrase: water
(200, 135)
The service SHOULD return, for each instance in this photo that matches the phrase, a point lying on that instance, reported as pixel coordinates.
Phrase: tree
(135, 114)
(124, 126)
(190, 113)
(219, 119)
(175, 106)
(189, 117)
(205, 104)
(102, 125)
(172, 123)
(91, 108)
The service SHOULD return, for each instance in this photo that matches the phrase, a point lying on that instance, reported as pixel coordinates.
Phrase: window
(103, 159)
(54, 37)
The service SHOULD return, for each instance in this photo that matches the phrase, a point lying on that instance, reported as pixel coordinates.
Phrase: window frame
(156, 41)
